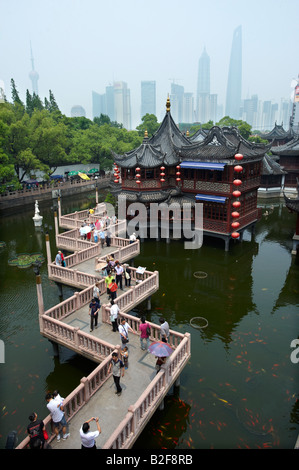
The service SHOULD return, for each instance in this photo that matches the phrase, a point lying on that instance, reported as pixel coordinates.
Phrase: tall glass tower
(203, 88)
(148, 97)
(234, 81)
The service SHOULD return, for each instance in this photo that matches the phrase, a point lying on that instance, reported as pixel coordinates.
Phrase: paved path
(105, 404)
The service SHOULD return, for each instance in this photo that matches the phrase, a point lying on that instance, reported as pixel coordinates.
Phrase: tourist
(94, 308)
(119, 275)
(58, 260)
(58, 418)
(88, 437)
(114, 311)
(145, 332)
(113, 289)
(62, 259)
(35, 430)
(108, 280)
(123, 329)
(102, 238)
(164, 329)
(108, 238)
(160, 361)
(132, 237)
(127, 273)
(117, 368)
(125, 356)
(97, 292)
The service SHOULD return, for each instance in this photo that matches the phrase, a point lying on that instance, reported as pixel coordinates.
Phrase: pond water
(240, 387)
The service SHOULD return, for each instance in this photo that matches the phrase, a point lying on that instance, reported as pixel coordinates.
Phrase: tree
(243, 127)
(14, 93)
(149, 124)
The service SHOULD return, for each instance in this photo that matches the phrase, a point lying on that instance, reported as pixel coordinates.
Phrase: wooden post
(48, 250)
(56, 223)
(59, 207)
(40, 300)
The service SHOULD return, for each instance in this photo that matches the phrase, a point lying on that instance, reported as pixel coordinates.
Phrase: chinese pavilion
(289, 160)
(221, 170)
(278, 135)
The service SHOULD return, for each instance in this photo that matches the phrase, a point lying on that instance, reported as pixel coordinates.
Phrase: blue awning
(203, 165)
(210, 198)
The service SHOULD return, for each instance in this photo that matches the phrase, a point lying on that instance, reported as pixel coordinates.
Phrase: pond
(240, 387)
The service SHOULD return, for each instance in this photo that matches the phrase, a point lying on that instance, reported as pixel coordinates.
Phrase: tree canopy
(36, 136)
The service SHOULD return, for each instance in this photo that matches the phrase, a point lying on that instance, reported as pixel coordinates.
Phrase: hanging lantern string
(236, 204)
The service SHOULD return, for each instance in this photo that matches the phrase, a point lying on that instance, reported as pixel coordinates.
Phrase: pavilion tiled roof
(156, 150)
(271, 167)
(221, 144)
(292, 204)
(290, 148)
(278, 133)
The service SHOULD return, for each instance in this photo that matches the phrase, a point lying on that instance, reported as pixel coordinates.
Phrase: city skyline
(79, 47)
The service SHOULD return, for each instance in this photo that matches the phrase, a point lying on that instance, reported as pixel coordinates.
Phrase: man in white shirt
(164, 329)
(88, 437)
(114, 310)
(57, 414)
(123, 329)
(119, 275)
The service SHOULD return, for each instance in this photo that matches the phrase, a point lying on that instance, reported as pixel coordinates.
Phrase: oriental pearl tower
(33, 75)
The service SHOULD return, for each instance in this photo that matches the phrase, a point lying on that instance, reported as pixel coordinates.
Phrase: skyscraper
(206, 104)
(234, 81)
(122, 104)
(33, 75)
(115, 103)
(177, 98)
(148, 98)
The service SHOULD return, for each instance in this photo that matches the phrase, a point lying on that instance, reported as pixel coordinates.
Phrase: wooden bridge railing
(78, 398)
(139, 414)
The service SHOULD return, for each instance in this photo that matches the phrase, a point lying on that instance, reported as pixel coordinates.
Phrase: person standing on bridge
(88, 437)
(94, 308)
(117, 369)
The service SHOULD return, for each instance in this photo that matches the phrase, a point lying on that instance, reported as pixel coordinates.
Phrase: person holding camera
(88, 437)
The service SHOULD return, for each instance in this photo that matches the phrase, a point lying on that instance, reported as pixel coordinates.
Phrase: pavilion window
(149, 174)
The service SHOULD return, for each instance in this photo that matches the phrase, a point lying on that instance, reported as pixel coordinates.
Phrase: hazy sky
(84, 45)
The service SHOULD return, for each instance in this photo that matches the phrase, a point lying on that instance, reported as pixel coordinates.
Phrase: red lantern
(235, 235)
(236, 204)
(178, 179)
(178, 167)
(238, 168)
(137, 169)
(138, 182)
(237, 182)
(237, 193)
(115, 181)
(138, 175)
(235, 214)
(235, 224)
(178, 173)
(162, 180)
(162, 168)
(162, 174)
(239, 156)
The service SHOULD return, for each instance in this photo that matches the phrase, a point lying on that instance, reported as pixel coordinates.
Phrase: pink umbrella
(160, 349)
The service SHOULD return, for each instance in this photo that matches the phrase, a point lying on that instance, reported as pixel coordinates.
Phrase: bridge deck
(105, 404)
(122, 418)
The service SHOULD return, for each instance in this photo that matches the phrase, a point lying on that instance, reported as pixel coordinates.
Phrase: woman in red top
(144, 335)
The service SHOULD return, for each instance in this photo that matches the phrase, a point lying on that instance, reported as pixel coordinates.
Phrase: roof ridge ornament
(168, 104)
